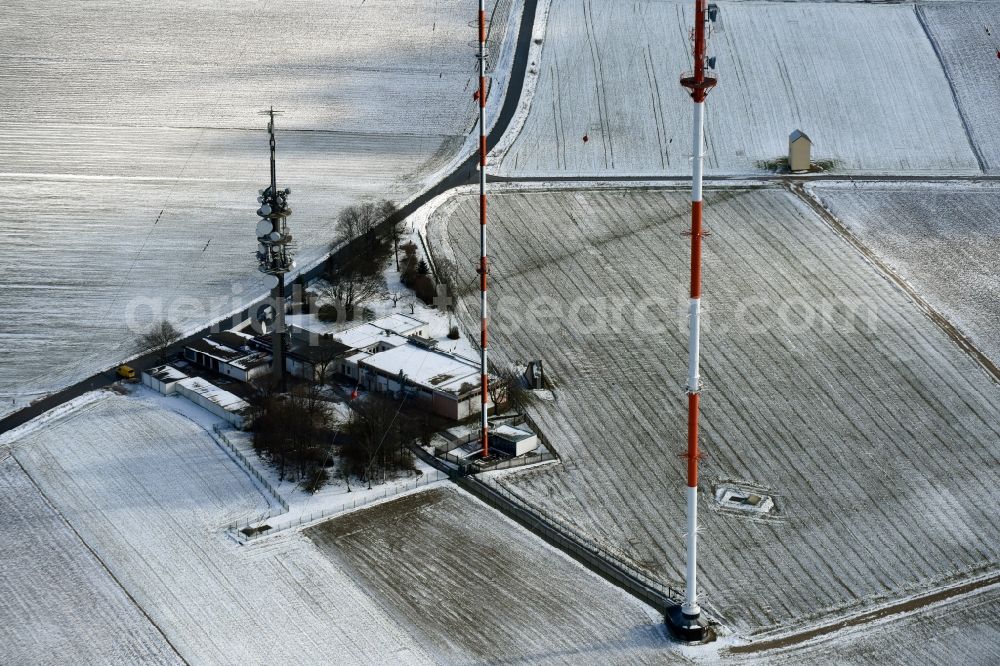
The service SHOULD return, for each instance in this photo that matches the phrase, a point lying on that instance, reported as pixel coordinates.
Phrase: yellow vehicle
(126, 372)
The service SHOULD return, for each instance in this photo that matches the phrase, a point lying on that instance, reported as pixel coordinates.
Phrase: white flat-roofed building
(163, 378)
(403, 324)
(220, 402)
(446, 384)
(513, 441)
(372, 337)
(369, 338)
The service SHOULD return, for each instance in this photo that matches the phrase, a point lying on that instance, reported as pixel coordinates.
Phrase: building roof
(798, 134)
(512, 434)
(428, 368)
(358, 357)
(225, 345)
(399, 323)
(320, 350)
(252, 360)
(166, 373)
(224, 399)
(368, 335)
(312, 323)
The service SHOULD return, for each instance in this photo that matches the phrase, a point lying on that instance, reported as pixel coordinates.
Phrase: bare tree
(325, 357)
(356, 273)
(349, 289)
(159, 337)
(508, 391)
(362, 221)
(378, 434)
(295, 432)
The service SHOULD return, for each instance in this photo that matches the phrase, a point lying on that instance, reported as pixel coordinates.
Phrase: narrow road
(463, 174)
(654, 179)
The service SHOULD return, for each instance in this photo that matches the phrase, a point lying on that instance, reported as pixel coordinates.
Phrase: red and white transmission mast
(481, 56)
(686, 620)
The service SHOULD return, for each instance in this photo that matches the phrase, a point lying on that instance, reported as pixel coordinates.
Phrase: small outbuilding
(799, 147)
(222, 403)
(513, 441)
(163, 378)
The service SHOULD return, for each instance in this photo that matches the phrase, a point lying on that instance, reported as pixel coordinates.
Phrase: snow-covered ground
(862, 81)
(825, 387)
(131, 166)
(485, 590)
(967, 37)
(57, 602)
(943, 240)
(151, 493)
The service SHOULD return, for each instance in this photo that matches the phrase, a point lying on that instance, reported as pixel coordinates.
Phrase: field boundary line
(817, 206)
(894, 608)
(100, 561)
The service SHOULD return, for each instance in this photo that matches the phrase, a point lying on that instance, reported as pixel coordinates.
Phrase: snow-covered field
(57, 602)
(862, 81)
(825, 387)
(967, 37)
(943, 240)
(151, 493)
(133, 152)
(485, 590)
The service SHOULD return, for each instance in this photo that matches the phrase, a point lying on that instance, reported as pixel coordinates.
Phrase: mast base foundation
(691, 630)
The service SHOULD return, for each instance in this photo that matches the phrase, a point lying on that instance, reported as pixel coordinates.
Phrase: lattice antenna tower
(274, 252)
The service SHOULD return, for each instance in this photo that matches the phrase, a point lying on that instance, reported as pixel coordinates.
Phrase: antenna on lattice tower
(274, 252)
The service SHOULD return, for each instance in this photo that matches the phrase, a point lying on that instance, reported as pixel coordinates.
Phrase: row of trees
(368, 235)
(298, 434)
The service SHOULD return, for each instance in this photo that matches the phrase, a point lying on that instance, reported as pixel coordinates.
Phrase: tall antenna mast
(686, 620)
(481, 56)
(274, 253)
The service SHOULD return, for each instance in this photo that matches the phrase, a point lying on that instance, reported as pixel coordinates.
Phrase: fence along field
(152, 494)
(56, 600)
(442, 559)
(132, 166)
(862, 81)
(876, 436)
(943, 241)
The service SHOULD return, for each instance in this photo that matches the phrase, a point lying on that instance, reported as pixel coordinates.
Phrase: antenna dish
(270, 281)
(264, 227)
(265, 210)
(275, 237)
